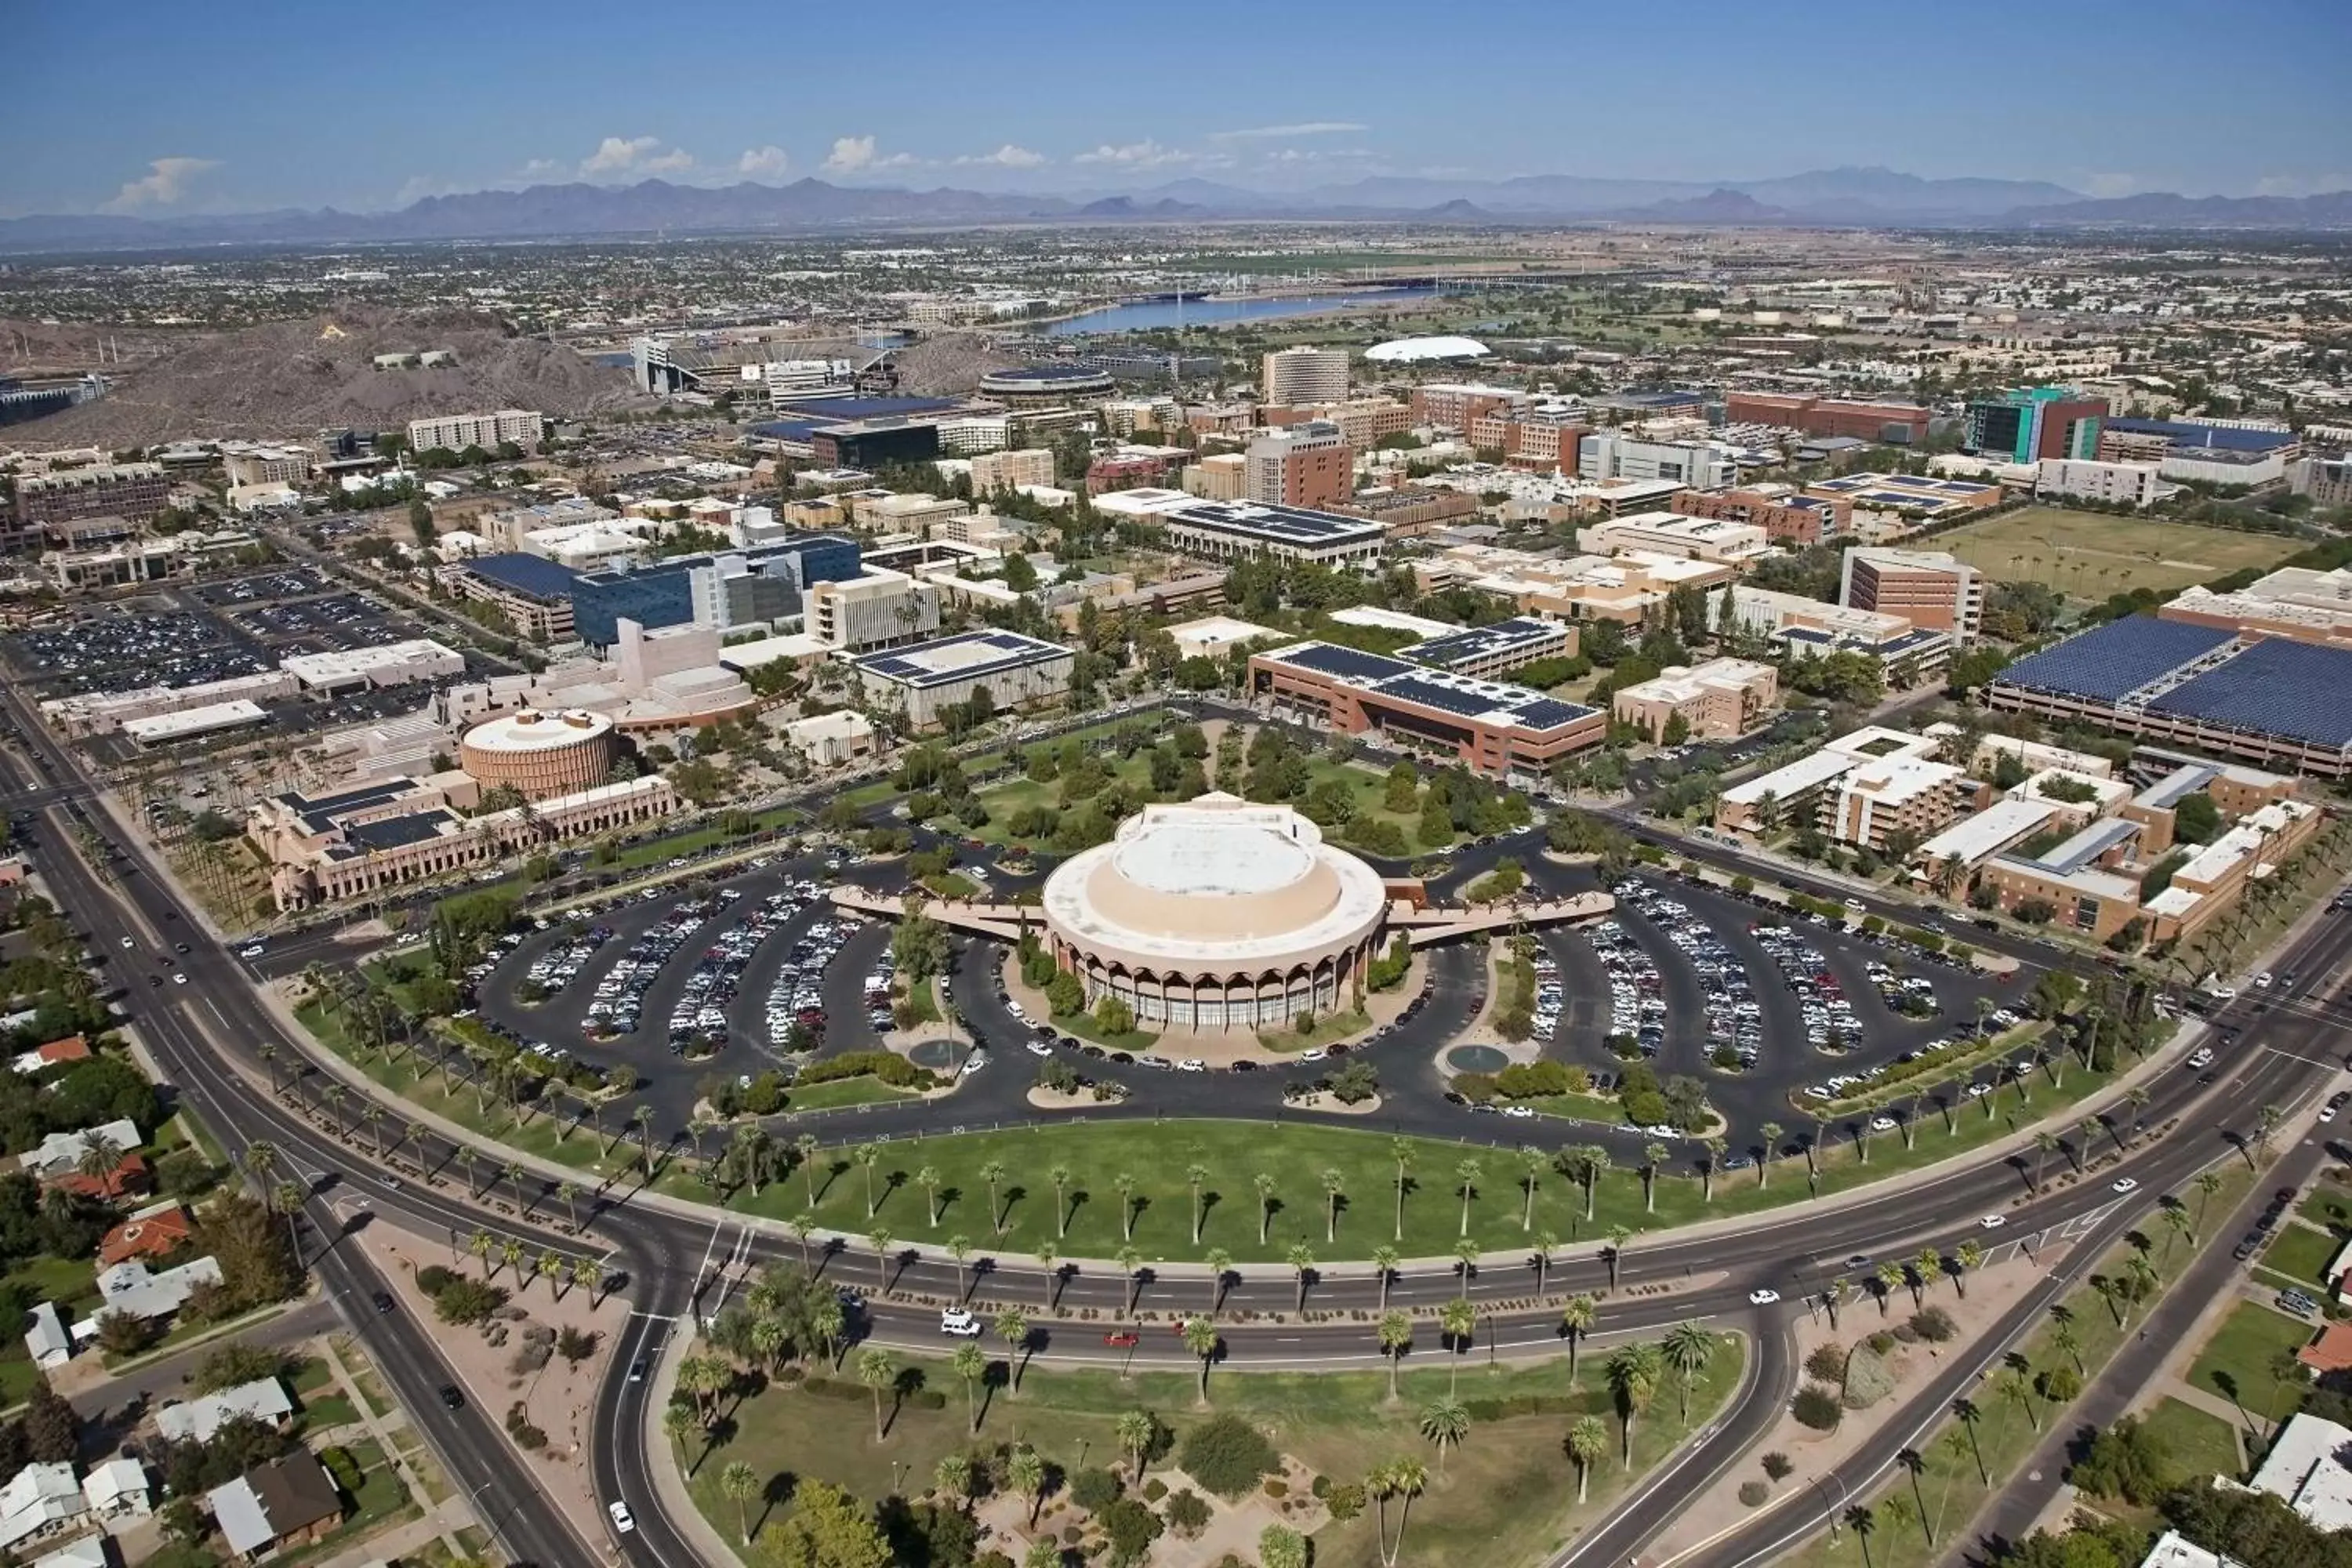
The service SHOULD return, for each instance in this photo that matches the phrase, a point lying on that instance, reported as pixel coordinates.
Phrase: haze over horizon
(1081, 102)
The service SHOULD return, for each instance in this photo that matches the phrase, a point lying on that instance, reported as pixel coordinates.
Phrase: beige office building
(878, 608)
(1718, 700)
(455, 431)
(1010, 470)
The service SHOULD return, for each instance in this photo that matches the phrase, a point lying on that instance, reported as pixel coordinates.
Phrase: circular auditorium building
(1045, 385)
(541, 755)
(1217, 914)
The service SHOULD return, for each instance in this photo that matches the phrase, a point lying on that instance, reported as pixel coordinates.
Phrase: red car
(1121, 1341)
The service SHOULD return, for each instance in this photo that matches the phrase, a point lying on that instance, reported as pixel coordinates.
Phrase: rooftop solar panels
(963, 657)
(2191, 433)
(534, 577)
(1444, 699)
(1552, 714)
(2110, 662)
(2275, 687)
(1475, 642)
(1288, 524)
(1348, 663)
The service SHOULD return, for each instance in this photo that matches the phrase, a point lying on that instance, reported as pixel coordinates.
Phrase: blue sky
(142, 107)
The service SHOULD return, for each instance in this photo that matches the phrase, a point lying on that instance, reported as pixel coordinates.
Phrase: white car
(179, 978)
(1522, 1112)
(251, 950)
(1040, 1049)
(1882, 1124)
(126, 942)
(974, 1062)
(623, 1520)
(1763, 1298)
(1979, 1090)
(955, 1320)
(2202, 1057)
(1192, 1064)
(2263, 981)
(1992, 1222)
(2125, 1184)
(1313, 1055)
(1014, 1008)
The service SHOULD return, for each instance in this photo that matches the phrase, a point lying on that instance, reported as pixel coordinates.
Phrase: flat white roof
(1393, 620)
(528, 730)
(194, 721)
(2303, 1469)
(344, 664)
(1806, 773)
(1973, 839)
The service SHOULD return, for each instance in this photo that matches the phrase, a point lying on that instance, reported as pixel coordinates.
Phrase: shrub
(1094, 1488)
(518, 1426)
(1226, 1455)
(1816, 1407)
(1754, 1493)
(432, 1277)
(1275, 1487)
(1827, 1363)
(1779, 1466)
(1502, 1406)
(1345, 1502)
(1154, 1489)
(1187, 1514)
(467, 1301)
(1867, 1379)
(1319, 1487)
(2060, 1385)
(341, 1465)
(1881, 1342)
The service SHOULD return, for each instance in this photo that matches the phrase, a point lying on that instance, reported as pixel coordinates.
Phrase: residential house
(196, 1420)
(35, 1499)
(288, 1502)
(154, 1233)
(118, 1489)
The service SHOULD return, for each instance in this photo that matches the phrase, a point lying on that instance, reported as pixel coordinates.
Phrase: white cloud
(857, 155)
(1305, 128)
(1005, 157)
(2300, 184)
(770, 161)
(1143, 155)
(542, 168)
(165, 181)
(635, 155)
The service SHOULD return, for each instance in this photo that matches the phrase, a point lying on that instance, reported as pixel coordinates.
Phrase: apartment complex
(455, 431)
(1785, 516)
(1541, 437)
(1009, 470)
(1626, 589)
(133, 492)
(1870, 788)
(1299, 375)
(1305, 466)
(1929, 588)
(1889, 424)
(1718, 700)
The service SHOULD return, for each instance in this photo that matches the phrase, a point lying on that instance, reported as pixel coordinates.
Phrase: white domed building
(1217, 914)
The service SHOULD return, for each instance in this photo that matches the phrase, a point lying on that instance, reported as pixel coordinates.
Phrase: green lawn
(2004, 1433)
(2092, 555)
(1328, 1027)
(328, 1412)
(1084, 1026)
(2300, 1254)
(2236, 1361)
(2201, 1444)
(2329, 1204)
(1582, 1108)
(70, 1282)
(1507, 1496)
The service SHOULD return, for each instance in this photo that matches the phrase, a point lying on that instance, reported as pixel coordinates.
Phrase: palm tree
(1445, 1422)
(511, 1253)
(992, 1174)
(570, 1192)
(2207, 1183)
(2266, 1126)
(1890, 1281)
(1458, 1321)
(959, 1247)
(1131, 1264)
(1587, 1440)
(1532, 1161)
(1200, 1339)
(1335, 1186)
(1396, 1338)
(676, 1421)
(2014, 1387)
(928, 1178)
(1220, 1263)
(1716, 1149)
(952, 1476)
(1771, 1134)
(1263, 1184)
(2068, 1343)
(881, 1240)
(1688, 1349)
(1632, 1371)
(1012, 1328)
(828, 1322)
(1575, 1323)
(877, 1371)
(1060, 1175)
(589, 1274)
(261, 1159)
(1926, 1269)
(2177, 1225)
(1465, 1176)
(2136, 1097)
(1401, 1150)
(480, 1245)
(1617, 1237)
(1195, 1175)
(1970, 1257)
(1862, 1521)
(1545, 1244)
(1834, 1297)
(971, 1363)
(1124, 1185)
(1406, 1479)
(1591, 1164)
(1025, 1472)
(741, 1482)
(1654, 1157)
(868, 1156)
(1384, 1264)
(1135, 1430)
(1301, 1258)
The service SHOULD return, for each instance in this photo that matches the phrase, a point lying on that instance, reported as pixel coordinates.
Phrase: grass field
(2299, 1253)
(2236, 1361)
(2091, 555)
(2201, 1444)
(1507, 1495)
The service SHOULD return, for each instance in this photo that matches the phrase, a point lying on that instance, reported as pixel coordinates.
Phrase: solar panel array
(1476, 642)
(1459, 695)
(1347, 663)
(2275, 687)
(912, 665)
(1444, 699)
(2108, 662)
(1294, 525)
(1551, 713)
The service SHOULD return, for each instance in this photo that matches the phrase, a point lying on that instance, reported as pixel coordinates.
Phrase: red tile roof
(2331, 1352)
(127, 1179)
(151, 1236)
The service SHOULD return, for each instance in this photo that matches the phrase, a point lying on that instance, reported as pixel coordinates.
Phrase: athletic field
(2091, 555)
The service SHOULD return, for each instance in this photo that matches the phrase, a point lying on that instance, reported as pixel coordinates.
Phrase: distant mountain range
(1852, 197)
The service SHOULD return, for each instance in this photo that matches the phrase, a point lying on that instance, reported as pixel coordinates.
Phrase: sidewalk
(662, 1460)
(441, 1522)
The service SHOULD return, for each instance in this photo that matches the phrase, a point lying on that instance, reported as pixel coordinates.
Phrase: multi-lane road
(205, 1037)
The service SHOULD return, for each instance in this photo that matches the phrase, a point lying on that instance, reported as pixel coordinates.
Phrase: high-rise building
(732, 588)
(132, 491)
(2027, 423)
(1011, 470)
(1307, 465)
(1298, 375)
(1927, 587)
(455, 431)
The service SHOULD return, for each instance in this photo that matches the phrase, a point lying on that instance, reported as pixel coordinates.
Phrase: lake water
(1224, 312)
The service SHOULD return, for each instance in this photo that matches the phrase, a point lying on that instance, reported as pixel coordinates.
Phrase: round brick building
(541, 755)
(1217, 914)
